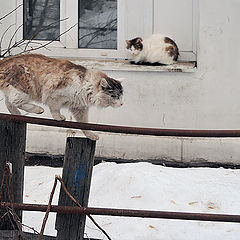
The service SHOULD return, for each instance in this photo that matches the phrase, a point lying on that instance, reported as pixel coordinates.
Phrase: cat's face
(134, 46)
(110, 93)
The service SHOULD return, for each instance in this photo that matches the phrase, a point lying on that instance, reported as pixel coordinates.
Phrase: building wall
(206, 99)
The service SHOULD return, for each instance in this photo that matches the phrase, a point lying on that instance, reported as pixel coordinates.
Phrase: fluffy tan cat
(29, 78)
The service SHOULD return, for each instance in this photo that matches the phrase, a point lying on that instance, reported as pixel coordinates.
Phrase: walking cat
(155, 50)
(29, 78)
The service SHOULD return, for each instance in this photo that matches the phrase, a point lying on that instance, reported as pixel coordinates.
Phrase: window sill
(124, 65)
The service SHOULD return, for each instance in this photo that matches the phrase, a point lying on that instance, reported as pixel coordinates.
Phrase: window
(99, 28)
(97, 24)
(41, 19)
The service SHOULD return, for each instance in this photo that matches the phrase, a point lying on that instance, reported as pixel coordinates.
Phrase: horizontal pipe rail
(125, 212)
(122, 129)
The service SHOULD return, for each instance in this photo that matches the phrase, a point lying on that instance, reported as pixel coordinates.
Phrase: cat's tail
(174, 52)
(177, 54)
(173, 49)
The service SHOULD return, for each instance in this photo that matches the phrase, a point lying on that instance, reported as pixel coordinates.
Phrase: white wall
(206, 99)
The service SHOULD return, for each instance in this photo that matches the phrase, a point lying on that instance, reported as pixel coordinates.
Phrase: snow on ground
(147, 186)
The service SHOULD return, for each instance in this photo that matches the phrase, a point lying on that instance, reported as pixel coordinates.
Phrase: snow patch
(147, 186)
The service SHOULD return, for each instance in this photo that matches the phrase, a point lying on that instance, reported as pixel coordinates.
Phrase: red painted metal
(122, 129)
(126, 212)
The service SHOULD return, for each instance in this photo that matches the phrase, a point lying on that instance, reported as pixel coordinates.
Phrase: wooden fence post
(77, 173)
(12, 149)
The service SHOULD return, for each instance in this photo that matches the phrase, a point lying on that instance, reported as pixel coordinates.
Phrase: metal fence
(84, 210)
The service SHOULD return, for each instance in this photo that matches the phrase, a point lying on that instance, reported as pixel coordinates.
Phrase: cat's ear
(128, 43)
(139, 40)
(103, 83)
(120, 79)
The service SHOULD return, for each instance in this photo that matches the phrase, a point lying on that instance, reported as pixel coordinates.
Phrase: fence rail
(125, 212)
(80, 175)
(122, 129)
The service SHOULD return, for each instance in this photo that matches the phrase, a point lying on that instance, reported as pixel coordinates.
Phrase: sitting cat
(156, 49)
(56, 83)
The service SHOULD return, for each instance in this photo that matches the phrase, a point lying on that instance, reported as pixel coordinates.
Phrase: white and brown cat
(155, 50)
(29, 78)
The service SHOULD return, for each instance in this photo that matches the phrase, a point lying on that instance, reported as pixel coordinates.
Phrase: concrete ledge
(124, 65)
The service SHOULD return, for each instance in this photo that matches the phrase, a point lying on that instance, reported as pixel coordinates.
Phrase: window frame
(68, 44)
(19, 25)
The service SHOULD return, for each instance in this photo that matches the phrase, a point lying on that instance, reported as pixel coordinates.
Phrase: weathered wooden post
(77, 173)
(12, 149)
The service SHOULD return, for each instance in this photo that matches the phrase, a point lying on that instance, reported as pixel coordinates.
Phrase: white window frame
(19, 22)
(68, 44)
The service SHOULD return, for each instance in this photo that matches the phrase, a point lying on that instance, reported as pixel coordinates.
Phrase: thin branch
(58, 178)
(15, 45)
(44, 45)
(11, 198)
(79, 205)
(41, 44)
(101, 30)
(22, 43)
(34, 231)
(48, 210)
(3, 37)
(103, 41)
(10, 12)
(10, 42)
(42, 29)
(7, 179)
(9, 217)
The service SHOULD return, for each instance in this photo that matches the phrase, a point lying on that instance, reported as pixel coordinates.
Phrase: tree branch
(10, 12)
(3, 37)
(42, 29)
(44, 45)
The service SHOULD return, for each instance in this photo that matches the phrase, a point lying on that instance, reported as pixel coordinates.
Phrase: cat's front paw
(91, 135)
(59, 117)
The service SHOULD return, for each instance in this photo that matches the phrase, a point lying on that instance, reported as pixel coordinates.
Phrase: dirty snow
(147, 186)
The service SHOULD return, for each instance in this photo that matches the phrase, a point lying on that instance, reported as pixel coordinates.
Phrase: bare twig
(10, 42)
(37, 43)
(79, 205)
(58, 178)
(3, 37)
(10, 218)
(34, 231)
(48, 210)
(99, 31)
(11, 198)
(16, 44)
(10, 12)
(9, 189)
(21, 43)
(42, 29)
(46, 44)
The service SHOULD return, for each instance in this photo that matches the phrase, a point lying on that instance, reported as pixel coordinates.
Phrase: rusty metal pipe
(122, 129)
(126, 212)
